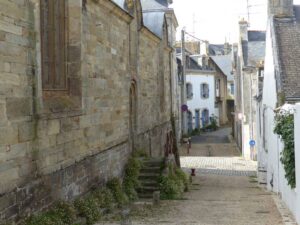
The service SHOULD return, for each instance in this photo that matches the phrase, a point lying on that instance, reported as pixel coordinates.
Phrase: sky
(217, 20)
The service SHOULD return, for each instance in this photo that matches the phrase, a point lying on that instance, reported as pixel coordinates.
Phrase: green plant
(284, 126)
(62, 213)
(173, 184)
(116, 188)
(183, 177)
(89, 208)
(104, 198)
(196, 131)
(131, 182)
(141, 153)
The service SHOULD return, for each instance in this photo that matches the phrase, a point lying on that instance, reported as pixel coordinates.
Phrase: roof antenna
(248, 12)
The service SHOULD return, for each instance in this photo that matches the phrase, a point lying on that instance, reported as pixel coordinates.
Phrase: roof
(216, 49)
(254, 35)
(287, 32)
(224, 62)
(121, 4)
(191, 64)
(254, 48)
(154, 4)
(154, 21)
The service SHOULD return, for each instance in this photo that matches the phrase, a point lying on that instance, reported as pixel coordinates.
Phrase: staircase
(149, 176)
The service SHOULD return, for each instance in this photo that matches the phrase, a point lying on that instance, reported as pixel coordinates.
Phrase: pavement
(224, 192)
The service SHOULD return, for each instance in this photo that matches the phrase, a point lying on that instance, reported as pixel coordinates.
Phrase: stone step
(149, 176)
(149, 169)
(149, 182)
(148, 189)
(153, 162)
(145, 195)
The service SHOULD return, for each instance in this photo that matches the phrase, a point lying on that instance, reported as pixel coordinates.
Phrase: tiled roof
(287, 33)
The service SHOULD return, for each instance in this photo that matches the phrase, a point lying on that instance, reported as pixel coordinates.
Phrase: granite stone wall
(57, 145)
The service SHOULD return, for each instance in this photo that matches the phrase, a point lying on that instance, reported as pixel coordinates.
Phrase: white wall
(197, 102)
(269, 153)
(297, 159)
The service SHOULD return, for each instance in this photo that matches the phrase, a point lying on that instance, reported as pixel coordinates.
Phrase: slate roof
(224, 62)
(154, 21)
(216, 49)
(121, 3)
(154, 4)
(287, 32)
(191, 64)
(254, 48)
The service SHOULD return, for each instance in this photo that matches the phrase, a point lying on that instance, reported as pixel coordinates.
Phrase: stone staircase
(149, 177)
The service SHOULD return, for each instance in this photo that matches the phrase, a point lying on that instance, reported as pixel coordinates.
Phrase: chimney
(204, 48)
(226, 48)
(281, 8)
(243, 30)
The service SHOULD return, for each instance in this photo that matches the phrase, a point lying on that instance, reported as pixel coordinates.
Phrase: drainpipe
(183, 85)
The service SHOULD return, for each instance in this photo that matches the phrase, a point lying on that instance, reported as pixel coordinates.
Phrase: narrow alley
(224, 190)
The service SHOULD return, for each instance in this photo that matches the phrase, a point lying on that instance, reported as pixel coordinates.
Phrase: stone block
(68, 124)
(26, 131)
(53, 127)
(8, 135)
(10, 28)
(16, 108)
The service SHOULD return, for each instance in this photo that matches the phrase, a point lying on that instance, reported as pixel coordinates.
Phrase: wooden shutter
(53, 44)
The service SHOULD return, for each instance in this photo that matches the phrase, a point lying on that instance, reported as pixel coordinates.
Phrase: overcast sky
(217, 20)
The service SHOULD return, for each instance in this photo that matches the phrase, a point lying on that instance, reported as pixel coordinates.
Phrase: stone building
(247, 66)
(82, 84)
(223, 66)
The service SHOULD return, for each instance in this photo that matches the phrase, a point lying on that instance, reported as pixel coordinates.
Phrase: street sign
(184, 108)
(252, 143)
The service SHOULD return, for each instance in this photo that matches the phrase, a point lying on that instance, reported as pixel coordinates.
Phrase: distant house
(222, 64)
(247, 67)
(279, 85)
(207, 70)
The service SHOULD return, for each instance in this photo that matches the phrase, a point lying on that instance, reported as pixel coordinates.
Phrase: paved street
(224, 192)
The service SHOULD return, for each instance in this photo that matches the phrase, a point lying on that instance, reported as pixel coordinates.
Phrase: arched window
(204, 88)
(189, 90)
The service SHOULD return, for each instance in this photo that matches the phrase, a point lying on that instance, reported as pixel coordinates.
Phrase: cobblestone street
(224, 192)
(234, 166)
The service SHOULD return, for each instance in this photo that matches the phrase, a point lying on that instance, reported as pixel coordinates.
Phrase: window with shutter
(204, 90)
(53, 44)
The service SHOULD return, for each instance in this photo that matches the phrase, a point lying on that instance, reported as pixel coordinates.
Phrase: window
(189, 90)
(232, 89)
(218, 88)
(204, 90)
(53, 44)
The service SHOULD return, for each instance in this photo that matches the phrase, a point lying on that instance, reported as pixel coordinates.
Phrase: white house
(280, 85)
(200, 98)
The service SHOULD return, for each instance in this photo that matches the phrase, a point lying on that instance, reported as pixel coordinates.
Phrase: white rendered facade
(197, 103)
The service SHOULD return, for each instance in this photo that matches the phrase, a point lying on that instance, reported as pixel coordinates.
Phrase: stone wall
(57, 145)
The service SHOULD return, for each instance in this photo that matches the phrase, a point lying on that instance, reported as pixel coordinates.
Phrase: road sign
(252, 143)
(184, 108)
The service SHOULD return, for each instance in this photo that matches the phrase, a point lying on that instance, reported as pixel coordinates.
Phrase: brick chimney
(281, 8)
(243, 30)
